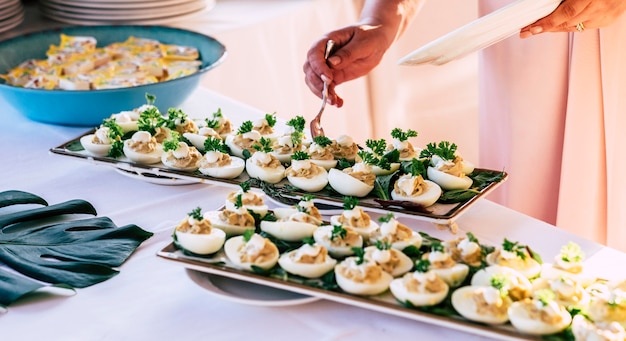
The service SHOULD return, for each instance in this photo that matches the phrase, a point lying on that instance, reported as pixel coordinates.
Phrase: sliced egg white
(235, 150)
(381, 171)
(454, 275)
(267, 174)
(288, 230)
(368, 288)
(419, 298)
(202, 243)
(234, 245)
(448, 181)
(347, 185)
(143, 158)
(464, 304)
(288, 262)
(230, 171)
(326, 164)
(313, 184)
(522, 319)
(95, 149)
(427, 198)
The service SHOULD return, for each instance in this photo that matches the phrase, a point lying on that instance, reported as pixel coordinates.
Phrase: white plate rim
(169, 11)
(154, 21)
(114, 5)
(203, 279)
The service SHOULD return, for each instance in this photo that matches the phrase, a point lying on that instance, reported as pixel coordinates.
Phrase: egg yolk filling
(344, 152)
(389, 264)
(305, 218)
(194, 226)
(161, 134)
(410, 186)
(191, 159)
(498, 307)
(264, 128)
(186, 127)
(143, 147)
(221, 160)
(470, 255)
(244, 143)
(236, 218)
(224, 127)
(364, 273)
(268, 162)
(247, 198)
(366, 177)
(305, 172)
(514, 262)
(248, 254)
(439, 260)
(401, 233)
(431, 284)
(358, 220)
(351, 238)
(549, 314)
(313, 255)
(321, 153)
(454, 167)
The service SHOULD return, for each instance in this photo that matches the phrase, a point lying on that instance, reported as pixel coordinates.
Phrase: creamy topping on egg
(265, 160)
(195, 226)
(263, 127)
(564, 287)
(206, 131)
(212, 156)
(141, 136)
(468, 247)
(345, 141)
(125, 116)
(309, 254)
(254, 246)
(230, 206)
(491, 296)
(101, 136)
(408, 185)
(145, 107)
(252, 135)
(285, 140)
(454, 167)
(421, 282)
(400, 145)
(298, 165)
(440, 260)
(182, 151)
(366, 272)
(307, 205)
(381, 256)
(389, 228)
(142, 142)
(572, 267)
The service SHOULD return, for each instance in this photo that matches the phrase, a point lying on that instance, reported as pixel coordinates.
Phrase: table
(153, 299)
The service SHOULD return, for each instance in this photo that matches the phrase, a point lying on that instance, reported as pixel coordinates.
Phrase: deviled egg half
(344, 147)
(465, 250)
(290, 141)
(243, 140)
(447, 169)
(567, 292)
(444, 266)
(143, 148)
(265, 126)
(217, 163)
(178, 121)
(294, 224)
(420, 288)
(199, 138)
(251, 250)
(517, 286)
(220, 123)
(180, 156)
(306, 175)
(515, 256)
(609, 307)
(309, 260)
(321, 152)
(355, 275)
(355, 217)
(357, 181)
(569, 262)
(583, 329)
(102, 140)
(390, 260)
(340, 241)
(381, 161)
(250, 200)
(540, 315)
(414, 188)
(234, 219)
(484, 304)
(127, 120)
(400, 142)
(393, 232)
(263, 165)
(195, 234)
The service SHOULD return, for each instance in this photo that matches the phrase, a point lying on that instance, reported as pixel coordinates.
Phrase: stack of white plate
(104, 12)
(11, 14)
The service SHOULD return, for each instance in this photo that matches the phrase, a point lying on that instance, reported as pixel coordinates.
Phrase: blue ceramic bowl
(90, 107)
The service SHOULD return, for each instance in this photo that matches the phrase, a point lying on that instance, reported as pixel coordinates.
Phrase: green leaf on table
(45, 245)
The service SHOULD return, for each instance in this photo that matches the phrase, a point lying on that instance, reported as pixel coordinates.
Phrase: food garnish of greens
(500, 282)
(515, 247)
(381, 245)
(300, 155)
(239, 201)
(359, 253)
(545, 296)
(400, 135)
(443, 149)
(571, 252)
(350, 202)
(308, 240)
(247, 234)
(214, 122)
(322, 141)
(386, 218)
(215, 144)
(171, 143)
(150, 99)
(271, 119)
(245, 127)
(417, 167)
(196, 213)
(245, 186)
(150, 119)
(174, 116)
(115, 134)
(297, 123)
(378, 147)
(437, 247)
(422, 265)
(263, 145)
(338, 232)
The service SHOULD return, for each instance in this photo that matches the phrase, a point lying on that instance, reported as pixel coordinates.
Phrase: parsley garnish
(417, 167)
(308, 240)
(239, 201)
(386, 218)
(150, 98)
(422, 265)
(296, 138)
(572, 253)
(381, 245)
(515, 247)
(215, 144)
(300, 155)
(444, 149)
(338, 232)
(271, 119)
(263, 145)
(322, 141)
(196, 213)
(245, 127)
(378, 147)
(247, 235)
(545, 296)
(359, 253)
(115, 134)
(150, 119)
(172, 142)
(500, 282)
(297, 123)
(174, 116)
(350, 202)
(437, 247)
(398, 134)
(245, 186)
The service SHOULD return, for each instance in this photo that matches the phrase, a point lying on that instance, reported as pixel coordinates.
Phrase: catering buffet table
(154, 299)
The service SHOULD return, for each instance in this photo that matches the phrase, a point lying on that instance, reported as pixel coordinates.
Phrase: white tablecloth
(153, 299)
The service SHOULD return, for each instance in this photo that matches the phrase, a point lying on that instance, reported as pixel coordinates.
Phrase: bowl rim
(60, 30)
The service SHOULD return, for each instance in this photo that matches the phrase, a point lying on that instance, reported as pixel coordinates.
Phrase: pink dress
(553, 115)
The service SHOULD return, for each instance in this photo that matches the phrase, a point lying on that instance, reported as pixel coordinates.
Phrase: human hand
(591, 13)
(358, 49)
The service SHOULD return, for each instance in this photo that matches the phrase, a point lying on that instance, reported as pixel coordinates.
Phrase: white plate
(10, 23)
(104, 4)
(246, 292)
(54, 15)
(481, 33)
(141, 14)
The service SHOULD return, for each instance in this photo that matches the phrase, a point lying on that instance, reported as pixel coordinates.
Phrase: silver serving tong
(316, 125)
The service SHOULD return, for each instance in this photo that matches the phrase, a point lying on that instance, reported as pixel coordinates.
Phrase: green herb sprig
(196, 213)
(171, 143)
(300, 155)
(350, 202)
(215, 144)
(443, 149)
(515, 247)
(400, 135)
(245, 127)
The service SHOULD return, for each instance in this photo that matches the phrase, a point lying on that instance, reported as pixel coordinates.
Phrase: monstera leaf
(43, 244)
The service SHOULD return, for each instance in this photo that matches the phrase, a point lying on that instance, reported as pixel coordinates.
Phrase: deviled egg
(484, 304)
(414, 188)
(446, 168)
(195, 234)
(569, 262)
(290, 141)
(420, 288)
(340, 241)
(309, 260)
(251, 250)
(198, 139)
(515, 256)
(401, 143)
(357, 276)
(355, 217)
(219, 123)
(180, 156)
(234, 219)
(250, 200)
(444, 266)
(143, 148)
(243, 140)
(586, 330)
(516, 285)
(344, 147)
(265, 126)
(101, 141)
(608, 308)
(540, 315)
(216, 162)
(293, 226)
(465, 250)
(390, 260)
(395, 233)
(321, 152)
(306, 175)
(178, 121)
(357, 180)
(381, 161)
(567, 291)
(266, 167)
(127, 120)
